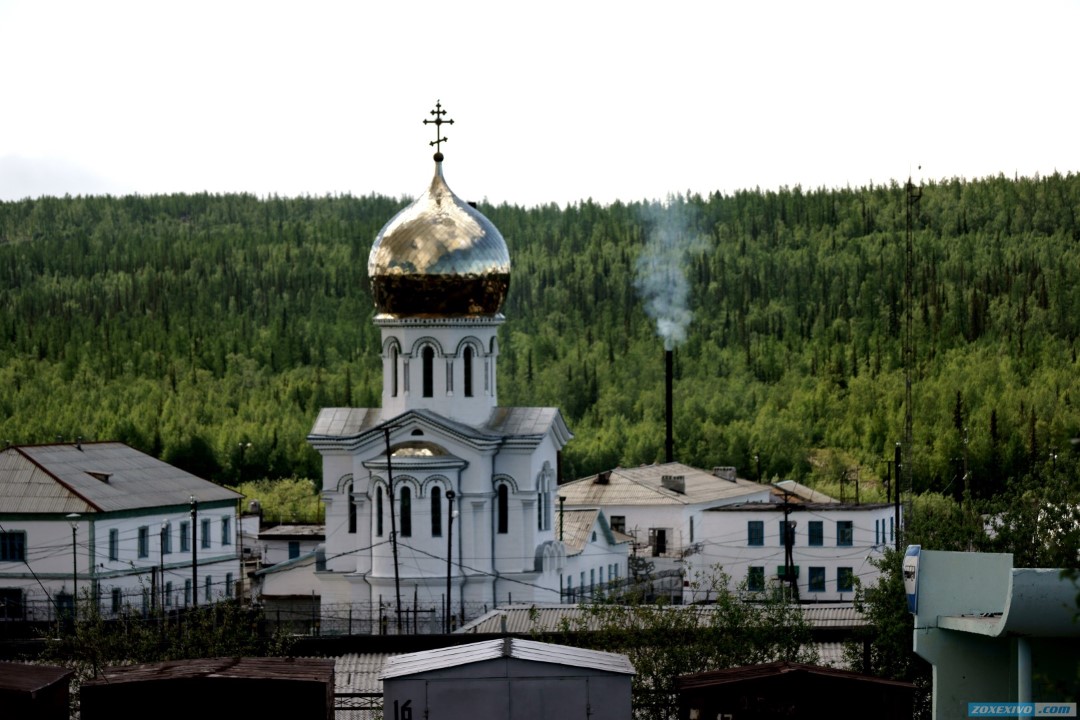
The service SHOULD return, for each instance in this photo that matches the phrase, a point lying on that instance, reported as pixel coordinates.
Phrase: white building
(114, 525)
(440, 465)
(599, 555)
(661, 506)
(833, 544)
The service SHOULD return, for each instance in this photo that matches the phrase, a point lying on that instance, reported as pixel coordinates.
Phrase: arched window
(378, 512)
(467, 358)
(393, 371)
(436, 512)
(352, 508)
(428, 356)
(406, 512)
(504, 509)
(543, 498)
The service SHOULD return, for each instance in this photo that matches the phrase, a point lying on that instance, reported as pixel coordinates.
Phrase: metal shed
(507, 678)
(779, 690)
(34, 691)
(296, 688)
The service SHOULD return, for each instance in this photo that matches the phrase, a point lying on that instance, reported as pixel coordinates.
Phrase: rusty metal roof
(774, 669)
(644, 486)
(413, 663)
(269, 668)
(95, 477)
(27, 678)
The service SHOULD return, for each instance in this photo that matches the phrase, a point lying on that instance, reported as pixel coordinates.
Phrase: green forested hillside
(192, 325)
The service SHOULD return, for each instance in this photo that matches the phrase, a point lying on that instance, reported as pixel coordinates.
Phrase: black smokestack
(669, 375)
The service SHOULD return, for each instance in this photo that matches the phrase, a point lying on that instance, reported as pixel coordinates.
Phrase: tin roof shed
(508, 678)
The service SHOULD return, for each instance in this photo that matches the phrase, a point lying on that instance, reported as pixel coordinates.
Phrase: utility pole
(73, 519)
(789, 541)
(896, 498)
(450, 495)
(194, 551)
(393, 526)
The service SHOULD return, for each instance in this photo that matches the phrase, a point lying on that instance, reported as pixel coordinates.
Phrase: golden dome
(439, 257)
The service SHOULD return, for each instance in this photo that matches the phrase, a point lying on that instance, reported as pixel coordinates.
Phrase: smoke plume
(661, 280)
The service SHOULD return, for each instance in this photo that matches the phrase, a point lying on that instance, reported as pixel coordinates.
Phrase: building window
(691, 529)
(378, 512)
(144, 541)
(467, 359)
(117, 600)
(791, 531)
(755, 578)
(294, 549)
(185, 538)
(228, 585)
(436, 512)
(817, 579)
(352, 509)
(406, 512)
(187, 593)
(658, 541)
(114, 544)
(168, 594)
(570, 588)
(845, 580)
(503, 510)
(755, 533)
(892, 538)
(844, 533)
(226, 530)
(204, 541)
(393, 371)
(208, 585)
(618, 523)
(166, 538)
(815, 533)
(428, 356)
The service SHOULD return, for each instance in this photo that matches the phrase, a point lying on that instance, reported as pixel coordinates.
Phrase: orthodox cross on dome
(438, 112)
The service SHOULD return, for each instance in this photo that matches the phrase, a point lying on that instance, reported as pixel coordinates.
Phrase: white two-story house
(112, 526)
(833, 545)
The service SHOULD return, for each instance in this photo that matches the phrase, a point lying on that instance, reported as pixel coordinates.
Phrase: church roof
(646, 485)
(95, 477)
(524, 423)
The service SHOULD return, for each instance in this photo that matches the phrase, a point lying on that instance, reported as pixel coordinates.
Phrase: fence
(367, 618)
(358, 706)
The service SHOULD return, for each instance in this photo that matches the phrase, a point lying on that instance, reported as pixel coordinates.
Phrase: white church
(441, 466)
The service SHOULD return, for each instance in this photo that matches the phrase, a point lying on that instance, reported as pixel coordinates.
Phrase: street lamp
(73, 520)
(450, 495)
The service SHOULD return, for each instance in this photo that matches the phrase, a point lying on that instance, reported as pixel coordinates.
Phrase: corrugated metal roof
(413, 663)
(288, 531)
(105, 477)
(525, 619)
(359, 672)
(643, 486)
(805, 493)
(575, 528)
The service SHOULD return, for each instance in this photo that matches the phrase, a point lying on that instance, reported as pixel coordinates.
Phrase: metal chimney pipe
(669, 373)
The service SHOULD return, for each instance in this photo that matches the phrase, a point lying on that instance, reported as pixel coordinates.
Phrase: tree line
(208, 329)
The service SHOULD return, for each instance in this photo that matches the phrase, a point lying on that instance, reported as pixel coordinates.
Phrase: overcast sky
(553, 101)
